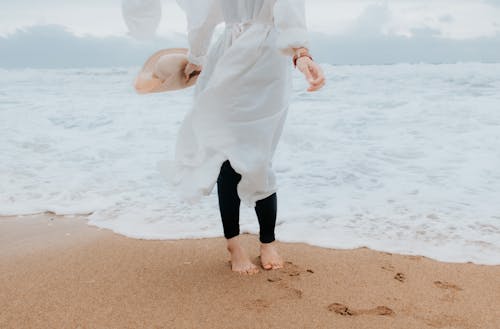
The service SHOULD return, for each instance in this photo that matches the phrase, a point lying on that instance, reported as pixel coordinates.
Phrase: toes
(272, 266)
(253, 271)
(267, 266)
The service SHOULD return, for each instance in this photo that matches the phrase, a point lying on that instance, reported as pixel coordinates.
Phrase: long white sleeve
(290, 21)
(142, 17)
(202, 17)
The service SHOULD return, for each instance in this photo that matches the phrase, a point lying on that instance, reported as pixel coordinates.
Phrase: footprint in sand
(447, 285)
(282, 277)
(275, 279)
(289, 270)
(450, 290)
(347, 311)
(389, 268)
(258, 304)
(289, 291)
(401, 277)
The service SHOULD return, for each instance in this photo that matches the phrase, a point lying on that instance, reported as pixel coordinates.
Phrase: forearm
(290, 23)
(202, 18)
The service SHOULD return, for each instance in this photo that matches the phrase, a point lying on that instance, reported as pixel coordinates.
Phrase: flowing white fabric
(142, 17)
(241, 97)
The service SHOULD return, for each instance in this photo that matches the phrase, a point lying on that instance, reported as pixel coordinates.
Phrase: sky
(92, 33)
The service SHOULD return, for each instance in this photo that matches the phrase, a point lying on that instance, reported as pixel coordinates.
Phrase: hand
(191, 70)
(313, 73)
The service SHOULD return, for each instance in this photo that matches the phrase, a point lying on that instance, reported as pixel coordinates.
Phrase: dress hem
(170, 172)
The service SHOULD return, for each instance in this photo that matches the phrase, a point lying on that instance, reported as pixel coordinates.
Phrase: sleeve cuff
(292, 38)
(195, 59)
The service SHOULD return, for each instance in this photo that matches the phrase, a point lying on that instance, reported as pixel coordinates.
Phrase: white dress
(241, 97)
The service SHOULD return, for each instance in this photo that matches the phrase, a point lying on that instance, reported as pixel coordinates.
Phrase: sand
(60, 272)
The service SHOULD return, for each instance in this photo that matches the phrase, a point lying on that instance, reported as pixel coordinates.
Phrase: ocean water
(399, 158)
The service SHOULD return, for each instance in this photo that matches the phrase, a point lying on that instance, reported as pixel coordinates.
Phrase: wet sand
(60, 272)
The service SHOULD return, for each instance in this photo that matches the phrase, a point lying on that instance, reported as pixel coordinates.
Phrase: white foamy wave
(400, 158)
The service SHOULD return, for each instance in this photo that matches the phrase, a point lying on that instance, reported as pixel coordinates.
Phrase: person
(240, 102)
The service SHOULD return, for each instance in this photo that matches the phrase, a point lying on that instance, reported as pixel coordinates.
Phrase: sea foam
(400, 158)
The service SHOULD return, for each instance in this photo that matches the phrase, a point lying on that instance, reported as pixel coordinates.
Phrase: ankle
(267, 239)
(264, 245)
(233, 244)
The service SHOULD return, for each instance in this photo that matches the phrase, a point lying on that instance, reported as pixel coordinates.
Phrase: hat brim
(174, 60)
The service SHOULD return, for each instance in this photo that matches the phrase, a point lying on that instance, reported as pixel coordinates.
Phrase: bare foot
(240, 262)
(269, 256)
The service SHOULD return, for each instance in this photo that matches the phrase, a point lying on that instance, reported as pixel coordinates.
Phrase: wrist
(303, 59)
(300, 53)
(195, 59)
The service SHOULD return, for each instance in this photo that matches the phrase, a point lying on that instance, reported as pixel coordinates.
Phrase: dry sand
(59, 272)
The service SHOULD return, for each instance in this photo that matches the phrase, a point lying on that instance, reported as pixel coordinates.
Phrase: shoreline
(63, 272)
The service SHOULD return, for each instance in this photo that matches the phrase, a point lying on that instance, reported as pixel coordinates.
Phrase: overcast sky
(92, 32)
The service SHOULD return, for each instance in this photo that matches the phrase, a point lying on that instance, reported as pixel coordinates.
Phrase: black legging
(229, 205)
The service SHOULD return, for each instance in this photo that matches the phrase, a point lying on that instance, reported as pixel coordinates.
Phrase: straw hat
(164, 71)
